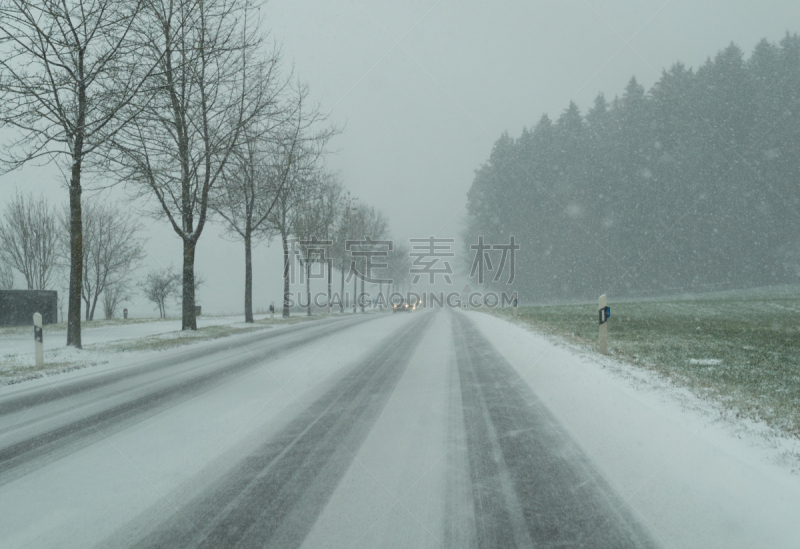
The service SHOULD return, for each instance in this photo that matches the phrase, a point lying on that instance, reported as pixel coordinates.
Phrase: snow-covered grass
(86, 324)
(739, 350)
(17, 366)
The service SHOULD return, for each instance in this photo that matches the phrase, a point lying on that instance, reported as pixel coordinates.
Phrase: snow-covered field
(739, 349)
(697, 475)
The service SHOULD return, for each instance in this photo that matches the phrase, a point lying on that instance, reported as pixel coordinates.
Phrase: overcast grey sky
(425, 87)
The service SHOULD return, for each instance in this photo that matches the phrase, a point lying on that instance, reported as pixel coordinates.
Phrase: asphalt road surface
(362, 431)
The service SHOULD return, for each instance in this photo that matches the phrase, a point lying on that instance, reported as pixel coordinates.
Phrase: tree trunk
(75, 221)
(76, 258)
(94, 305)
(189, 317)
(361, 297)
(341, 296)
(248, 278)
(308, 285)
(285, 275)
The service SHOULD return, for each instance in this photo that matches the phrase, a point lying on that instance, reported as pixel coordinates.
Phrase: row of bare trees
(358, 222)
(274, 179)
(315, 214)
(183, 103)
(280, 190)
(213, 84)
(161, 93)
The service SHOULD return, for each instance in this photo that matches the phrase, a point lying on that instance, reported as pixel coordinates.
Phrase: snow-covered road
(430, 429)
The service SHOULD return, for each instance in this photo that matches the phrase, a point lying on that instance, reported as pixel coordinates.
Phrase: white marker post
(603, 315)
(38, 340)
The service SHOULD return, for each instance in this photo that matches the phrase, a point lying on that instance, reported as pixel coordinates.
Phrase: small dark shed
(17, 306)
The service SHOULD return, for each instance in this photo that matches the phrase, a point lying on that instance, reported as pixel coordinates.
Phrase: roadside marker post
(38, 339)
(604, 312)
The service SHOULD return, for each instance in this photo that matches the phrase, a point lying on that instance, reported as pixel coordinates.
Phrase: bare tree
(342, 232)
(375, 226)
(111, 250)
(301, 185)
(257, 174)
(65, 73)
(212, 82)
(113, 295)
(356, 230)
(29, 240)
(362, 222)
(314, 226)
(159, 286)
(398, 269)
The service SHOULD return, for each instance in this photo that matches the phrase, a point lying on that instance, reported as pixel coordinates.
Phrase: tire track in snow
(531, 485)
(143, 401)
(274, 495)
(459, 516)
(43, 395)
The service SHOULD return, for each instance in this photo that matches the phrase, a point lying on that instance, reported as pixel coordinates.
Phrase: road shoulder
(686, 474)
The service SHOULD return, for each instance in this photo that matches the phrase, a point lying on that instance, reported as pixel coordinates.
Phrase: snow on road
(83, 498)
(424, 430)
(696, 480)
(392, 494)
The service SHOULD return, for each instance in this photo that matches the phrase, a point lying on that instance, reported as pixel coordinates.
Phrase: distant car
(403, 307)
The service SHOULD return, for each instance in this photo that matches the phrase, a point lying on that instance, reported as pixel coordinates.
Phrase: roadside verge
(17, 364)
